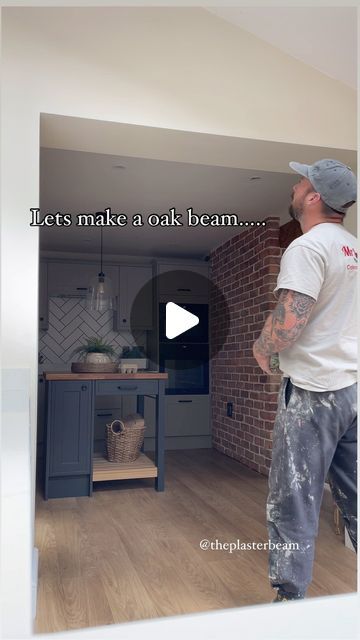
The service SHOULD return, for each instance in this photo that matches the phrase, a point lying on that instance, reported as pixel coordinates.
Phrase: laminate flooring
(132, 553)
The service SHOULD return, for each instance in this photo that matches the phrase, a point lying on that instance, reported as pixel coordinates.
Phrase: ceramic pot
(98, 358)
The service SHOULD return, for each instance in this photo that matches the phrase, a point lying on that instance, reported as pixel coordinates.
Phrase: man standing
(313, 328)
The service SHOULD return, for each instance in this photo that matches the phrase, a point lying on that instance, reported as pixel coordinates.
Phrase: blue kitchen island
(71, 467)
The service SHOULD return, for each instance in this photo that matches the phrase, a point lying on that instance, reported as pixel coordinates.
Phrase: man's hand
(263, 361)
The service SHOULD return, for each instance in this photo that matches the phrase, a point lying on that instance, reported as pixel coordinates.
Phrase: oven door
(187, 366)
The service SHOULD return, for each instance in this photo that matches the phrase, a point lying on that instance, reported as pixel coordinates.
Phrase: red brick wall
(245, 270)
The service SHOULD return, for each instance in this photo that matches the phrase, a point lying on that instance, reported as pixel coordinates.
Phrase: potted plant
(95, 351)
(134, 355)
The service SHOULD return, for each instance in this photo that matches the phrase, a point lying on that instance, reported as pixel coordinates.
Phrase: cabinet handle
(183, 289)
(128, 388)
(84, 387)
(81, 288)
(184, 400)
(124, 319)
(41, 318)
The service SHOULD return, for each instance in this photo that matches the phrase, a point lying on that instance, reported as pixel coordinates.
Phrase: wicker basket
(124, 438)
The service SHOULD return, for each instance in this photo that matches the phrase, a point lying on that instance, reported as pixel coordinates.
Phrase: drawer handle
(184, 400)
(81, 288)
(103, 415)
(128, 388)
(183, 289)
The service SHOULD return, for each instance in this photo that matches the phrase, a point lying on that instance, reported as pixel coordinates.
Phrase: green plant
(133, 352)
(94, 345)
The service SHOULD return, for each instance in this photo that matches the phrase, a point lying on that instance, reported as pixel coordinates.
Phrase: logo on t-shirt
(349, 252)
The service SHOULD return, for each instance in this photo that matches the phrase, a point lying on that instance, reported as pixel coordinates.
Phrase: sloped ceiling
(325, 38)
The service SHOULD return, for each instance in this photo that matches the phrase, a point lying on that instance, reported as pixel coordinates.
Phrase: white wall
(176, 68)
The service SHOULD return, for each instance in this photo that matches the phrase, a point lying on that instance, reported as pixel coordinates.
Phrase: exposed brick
(245, 270)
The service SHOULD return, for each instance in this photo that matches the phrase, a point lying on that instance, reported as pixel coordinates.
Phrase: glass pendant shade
(100, 294)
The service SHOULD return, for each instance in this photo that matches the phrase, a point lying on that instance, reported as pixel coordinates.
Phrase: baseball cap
(335, 181)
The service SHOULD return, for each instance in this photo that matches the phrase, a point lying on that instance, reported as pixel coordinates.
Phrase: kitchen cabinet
(73, 278)
(43, 296)
(72, 464)
(187, 415)
(183, 281)
(68, 438)
(132, 279)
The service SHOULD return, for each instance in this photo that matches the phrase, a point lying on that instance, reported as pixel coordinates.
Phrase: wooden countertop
(68, 375)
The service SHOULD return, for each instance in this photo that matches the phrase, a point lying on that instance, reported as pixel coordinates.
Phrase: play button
(178, 320)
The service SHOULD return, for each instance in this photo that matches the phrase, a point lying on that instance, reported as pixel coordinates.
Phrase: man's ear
(313, 197)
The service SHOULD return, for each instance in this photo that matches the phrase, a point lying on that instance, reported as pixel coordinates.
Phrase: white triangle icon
(178, 320)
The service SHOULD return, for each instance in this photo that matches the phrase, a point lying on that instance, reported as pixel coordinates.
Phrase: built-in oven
(187, 366)
(185, 358)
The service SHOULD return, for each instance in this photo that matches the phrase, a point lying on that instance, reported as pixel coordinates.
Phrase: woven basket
(124, 438)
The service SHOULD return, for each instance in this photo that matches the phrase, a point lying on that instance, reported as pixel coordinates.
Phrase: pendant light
(100, 293)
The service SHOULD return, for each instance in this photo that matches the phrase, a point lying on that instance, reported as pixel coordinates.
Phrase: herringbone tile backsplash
(70, 324)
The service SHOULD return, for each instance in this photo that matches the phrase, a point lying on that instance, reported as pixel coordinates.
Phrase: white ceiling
(322, 37)
(162, 169)
(77, 182)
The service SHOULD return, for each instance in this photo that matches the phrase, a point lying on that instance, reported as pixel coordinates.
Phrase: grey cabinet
(133, 279)
(68, 438)
(187, 415)
(43, 297)
(73, 278)
(71, 466)
(183, 281)
(187, 422)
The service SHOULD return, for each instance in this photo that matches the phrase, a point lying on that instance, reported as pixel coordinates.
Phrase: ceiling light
(100, 296)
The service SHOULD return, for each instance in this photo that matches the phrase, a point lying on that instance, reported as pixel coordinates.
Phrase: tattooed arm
(283, 326)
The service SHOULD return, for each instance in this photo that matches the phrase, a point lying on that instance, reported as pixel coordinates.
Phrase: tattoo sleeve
(284, 325)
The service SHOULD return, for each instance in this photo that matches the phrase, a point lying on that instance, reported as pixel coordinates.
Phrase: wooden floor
(131, 553)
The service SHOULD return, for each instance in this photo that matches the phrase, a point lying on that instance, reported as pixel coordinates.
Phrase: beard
(295, 213)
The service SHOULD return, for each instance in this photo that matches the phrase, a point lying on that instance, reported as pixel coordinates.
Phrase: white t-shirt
(322, 263)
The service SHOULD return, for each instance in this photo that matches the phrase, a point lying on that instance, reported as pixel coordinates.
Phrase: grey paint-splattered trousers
(315, 435)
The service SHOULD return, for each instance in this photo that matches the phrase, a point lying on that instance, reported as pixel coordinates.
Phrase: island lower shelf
(142, 467)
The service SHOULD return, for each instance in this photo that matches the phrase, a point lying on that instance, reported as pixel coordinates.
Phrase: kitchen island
(70, 464)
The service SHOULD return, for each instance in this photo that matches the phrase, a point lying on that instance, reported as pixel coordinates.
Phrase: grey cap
(335, 182)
